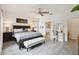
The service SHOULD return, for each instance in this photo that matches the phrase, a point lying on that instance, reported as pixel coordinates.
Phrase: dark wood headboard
(18, 27)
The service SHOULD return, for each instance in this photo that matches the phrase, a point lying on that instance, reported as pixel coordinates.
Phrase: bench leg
(20, 47)
(44, 42)
(27, 49)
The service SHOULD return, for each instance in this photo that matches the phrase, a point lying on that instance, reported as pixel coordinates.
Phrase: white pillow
(18, 30)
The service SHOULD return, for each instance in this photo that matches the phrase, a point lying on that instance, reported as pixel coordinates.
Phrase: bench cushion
(33, 42)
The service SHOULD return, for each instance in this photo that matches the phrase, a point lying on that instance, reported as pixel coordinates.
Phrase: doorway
(48, 30)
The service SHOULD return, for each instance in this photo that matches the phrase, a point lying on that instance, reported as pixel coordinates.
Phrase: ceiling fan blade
(40, 13)
(45, 12)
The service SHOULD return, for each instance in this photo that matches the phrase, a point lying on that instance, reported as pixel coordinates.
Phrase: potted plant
(76, 8)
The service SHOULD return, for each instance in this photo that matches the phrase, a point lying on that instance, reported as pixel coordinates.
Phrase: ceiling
(33, 8)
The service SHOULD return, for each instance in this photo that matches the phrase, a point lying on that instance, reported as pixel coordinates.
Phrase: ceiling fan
(42, 12)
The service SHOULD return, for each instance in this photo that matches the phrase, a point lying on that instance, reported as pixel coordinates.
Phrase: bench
(33, 42)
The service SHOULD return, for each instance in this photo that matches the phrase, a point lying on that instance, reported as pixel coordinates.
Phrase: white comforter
(25, 35)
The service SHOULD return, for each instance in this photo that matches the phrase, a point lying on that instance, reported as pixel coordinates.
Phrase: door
(41, 26)
(61, 32)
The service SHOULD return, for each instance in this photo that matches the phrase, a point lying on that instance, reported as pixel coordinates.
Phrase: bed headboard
(18, 27)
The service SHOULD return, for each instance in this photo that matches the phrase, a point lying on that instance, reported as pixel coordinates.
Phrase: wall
(1, 30)
(0, 33)
(73, 28)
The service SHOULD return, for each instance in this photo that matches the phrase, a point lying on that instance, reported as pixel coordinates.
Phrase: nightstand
(7, 36)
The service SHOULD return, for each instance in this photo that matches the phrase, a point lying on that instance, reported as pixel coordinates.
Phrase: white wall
(1, 31)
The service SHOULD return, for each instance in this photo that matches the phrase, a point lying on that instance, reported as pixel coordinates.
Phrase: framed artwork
(20, 20)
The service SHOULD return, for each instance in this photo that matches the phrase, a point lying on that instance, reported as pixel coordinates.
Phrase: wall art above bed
(20, 20)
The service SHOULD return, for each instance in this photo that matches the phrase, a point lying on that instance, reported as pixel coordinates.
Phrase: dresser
(7, 36)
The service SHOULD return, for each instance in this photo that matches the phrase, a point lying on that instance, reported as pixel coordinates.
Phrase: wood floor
(48, 48)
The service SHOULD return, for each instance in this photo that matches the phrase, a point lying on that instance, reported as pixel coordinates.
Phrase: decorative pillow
(18, 30)
(25, 30)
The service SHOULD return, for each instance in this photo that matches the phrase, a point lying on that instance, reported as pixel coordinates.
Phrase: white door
(42, 27)
(61, 32)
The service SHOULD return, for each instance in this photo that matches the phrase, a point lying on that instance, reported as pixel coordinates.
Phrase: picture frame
(20, 20)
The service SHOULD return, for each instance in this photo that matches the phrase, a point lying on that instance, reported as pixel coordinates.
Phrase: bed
(26, 38)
